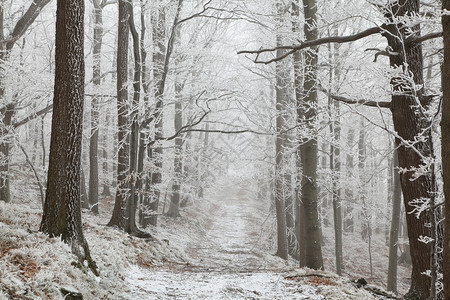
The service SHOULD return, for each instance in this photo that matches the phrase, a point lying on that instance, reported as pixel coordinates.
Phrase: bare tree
(8, 110)
(411, 123)
(117, 218)
(308, 147)
(62, 214)
(445, 131)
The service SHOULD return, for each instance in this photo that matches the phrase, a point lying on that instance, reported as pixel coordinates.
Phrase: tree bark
(411, 124)
(349, 198)
(106, 181)
(445, 144)
(174, 206)
(117, 218)
(62, 213)
(156, 150)
(96, 80)
(282, 243)
(395, 226)
(313, 249)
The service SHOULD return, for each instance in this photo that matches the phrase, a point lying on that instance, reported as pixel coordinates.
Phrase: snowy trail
(233, 232)
(223, 264)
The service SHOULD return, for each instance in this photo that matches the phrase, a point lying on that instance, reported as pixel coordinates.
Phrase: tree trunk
(282, 100)
(335, 160)
(349, 198)
(96, 73)
(313, 249)
(362, 181)
(7, 113)
(412, 125)
(445, 131)
(106, 182)
(335, 167)
(62, 214)
(156, 151)
(395, 226)
(117, 218)
(84, 195)
(130, 211)
(298, 88)
(174, 206)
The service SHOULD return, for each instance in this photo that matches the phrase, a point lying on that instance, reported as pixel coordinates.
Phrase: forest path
(232, 234)
(228, 262)
(223, 262)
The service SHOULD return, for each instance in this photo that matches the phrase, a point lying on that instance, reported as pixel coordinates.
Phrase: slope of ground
(221, 248)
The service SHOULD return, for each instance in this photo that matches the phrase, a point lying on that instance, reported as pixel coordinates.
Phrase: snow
(221, 248)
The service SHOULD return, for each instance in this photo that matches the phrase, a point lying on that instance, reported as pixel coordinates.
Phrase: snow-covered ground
(221, 248)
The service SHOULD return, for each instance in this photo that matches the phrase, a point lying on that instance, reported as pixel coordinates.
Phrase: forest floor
(221, 248)
(231, 259)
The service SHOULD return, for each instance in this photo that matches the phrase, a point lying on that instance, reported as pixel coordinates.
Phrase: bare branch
(423, 38)
(318, 42)
(25, 21)
(33, 116)
(381, 104)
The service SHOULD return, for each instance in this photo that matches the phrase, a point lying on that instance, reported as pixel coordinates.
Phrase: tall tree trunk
(106, 182)
(298, 88)
(445, 144)
(134, 184)
(117, 218)
(335, 166)
(174, 206)
(362, 181)
(62, 214)
(96, 80)
(349, 198)
(413, 126)
(282, 99)
(159, 37)
(313, 249)
(396, 198)
(335, 160)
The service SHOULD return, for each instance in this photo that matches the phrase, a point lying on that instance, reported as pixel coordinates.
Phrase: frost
(425, 239)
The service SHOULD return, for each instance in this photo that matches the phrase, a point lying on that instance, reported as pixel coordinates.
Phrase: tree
(445, 131)
(117, 218)
(308, 146)
(409, 105)
(96, 80)
(396, 198)
(8, 110)
(62, 214)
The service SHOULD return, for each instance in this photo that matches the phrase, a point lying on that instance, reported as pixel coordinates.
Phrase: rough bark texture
(62, 214)
(117, 218)
(407, 106)
(313, 249)
(396, 198)
(445, 131)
